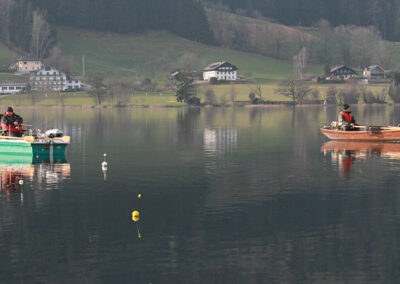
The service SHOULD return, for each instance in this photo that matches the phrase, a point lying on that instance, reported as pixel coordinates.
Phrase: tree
(300, 63)
(394, 90)
(257, 91)
(41, 34)
(6, 8)
(189, 62)
(186, 92)
(330, 95)
(59, 61)
(98, 89)
(210, 97)
(294, 89)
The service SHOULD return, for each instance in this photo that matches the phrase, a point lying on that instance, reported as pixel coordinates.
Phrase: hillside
(6, 57)
(257, 35)
(154, 54)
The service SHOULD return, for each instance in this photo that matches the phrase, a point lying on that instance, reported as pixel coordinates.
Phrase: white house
(12, 87)
(51, 79)
(220, 70)
(28, 64)
(73, 83)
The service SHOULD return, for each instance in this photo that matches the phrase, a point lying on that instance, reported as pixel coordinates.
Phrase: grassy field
(85, 100)
(222, 92)
(155, 54)
(6, 57)
(242, 91)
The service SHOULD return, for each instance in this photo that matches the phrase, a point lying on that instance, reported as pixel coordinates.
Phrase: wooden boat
(33, 146)
(372, 134)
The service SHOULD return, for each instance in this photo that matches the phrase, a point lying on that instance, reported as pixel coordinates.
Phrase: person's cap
(10, 109)
(346, 106)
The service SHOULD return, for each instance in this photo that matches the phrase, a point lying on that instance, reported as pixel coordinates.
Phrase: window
(4, 88)
(18, 88)
(11, 88)
(25, 62)
(54, 73)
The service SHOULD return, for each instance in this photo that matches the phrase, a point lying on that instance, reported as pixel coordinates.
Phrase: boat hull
(21, 147)
(380, 135)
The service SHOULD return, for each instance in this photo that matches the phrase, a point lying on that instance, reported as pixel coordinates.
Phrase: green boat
(34, 146)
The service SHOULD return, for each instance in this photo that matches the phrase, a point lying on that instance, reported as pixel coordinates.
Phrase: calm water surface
(228, 196)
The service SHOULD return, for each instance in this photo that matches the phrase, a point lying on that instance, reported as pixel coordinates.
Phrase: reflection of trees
(187, 124)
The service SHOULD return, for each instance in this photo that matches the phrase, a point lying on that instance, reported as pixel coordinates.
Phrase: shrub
(349, 95)
(330, 95)
(213, 81)
(210, 97)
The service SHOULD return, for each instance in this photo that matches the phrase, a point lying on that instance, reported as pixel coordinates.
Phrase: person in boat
(11, 123)
(346, 119)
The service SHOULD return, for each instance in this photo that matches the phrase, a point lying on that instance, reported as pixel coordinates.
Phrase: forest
(382, 14)
(185, 18)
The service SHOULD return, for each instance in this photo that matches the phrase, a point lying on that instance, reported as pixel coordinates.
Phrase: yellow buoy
(139, 195)
(135, 216)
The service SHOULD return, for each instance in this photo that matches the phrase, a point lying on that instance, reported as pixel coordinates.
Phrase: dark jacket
(7, 122)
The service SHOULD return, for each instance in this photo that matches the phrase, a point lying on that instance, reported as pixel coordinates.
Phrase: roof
(74, 78)
(11, 82)
(340, 67)
(28, 58)
(216, 65)
(374, 67)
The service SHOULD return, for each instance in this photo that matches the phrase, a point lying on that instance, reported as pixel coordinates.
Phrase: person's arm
(18, 119)
(5, 120)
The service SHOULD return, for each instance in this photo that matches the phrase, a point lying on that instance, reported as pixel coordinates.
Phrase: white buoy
(21, 182)
(104, 164)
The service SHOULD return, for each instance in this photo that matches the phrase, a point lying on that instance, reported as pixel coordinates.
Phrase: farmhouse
(73, 83)
(28, 64)
(220, 70)
(341, 72)
(50, 79)
(12, 87)
(374, 72)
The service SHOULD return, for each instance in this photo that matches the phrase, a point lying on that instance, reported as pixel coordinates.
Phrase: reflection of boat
(388, 150)
(33, 146)
(13, 169)
(374, 135)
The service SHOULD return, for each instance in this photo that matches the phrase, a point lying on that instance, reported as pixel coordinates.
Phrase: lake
(235, 195)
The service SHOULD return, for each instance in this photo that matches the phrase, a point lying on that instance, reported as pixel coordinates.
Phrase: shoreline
(278, 105)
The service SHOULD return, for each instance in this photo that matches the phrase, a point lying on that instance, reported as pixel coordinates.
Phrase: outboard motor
(52, 133)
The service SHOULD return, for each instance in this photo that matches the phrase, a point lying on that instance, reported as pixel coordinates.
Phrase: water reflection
(345, 153)
(15, 171)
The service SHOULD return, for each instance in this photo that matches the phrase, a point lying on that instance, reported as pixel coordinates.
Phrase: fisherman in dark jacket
(12, 123)
(346, 119)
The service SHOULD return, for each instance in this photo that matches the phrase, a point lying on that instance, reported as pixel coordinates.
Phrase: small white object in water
(104, 164)
(21, 182)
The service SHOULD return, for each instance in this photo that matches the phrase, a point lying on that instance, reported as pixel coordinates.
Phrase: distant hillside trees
(6, 7)
(182, 17)
(382, 14)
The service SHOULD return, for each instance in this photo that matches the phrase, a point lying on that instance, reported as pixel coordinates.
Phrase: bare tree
(41, 34)
(6, 7)
(57, 60)
(98, 89)
(233, 94)
(294, 89)
(300, 63)
(257, 91)
(190, 61)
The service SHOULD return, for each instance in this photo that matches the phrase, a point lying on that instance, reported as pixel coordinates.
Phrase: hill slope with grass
(155, 54)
